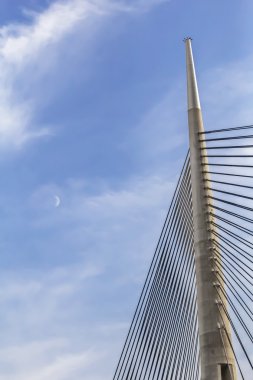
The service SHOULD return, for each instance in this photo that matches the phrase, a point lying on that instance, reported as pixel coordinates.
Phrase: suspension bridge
(194, 318)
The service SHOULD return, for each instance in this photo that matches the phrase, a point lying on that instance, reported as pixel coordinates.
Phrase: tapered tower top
(192, 86)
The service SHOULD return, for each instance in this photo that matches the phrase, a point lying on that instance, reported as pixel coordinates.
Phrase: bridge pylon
(216, 355)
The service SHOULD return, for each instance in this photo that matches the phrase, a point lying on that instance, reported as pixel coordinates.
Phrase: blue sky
(93, 110)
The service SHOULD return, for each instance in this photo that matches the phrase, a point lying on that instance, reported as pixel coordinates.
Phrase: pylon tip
(187, 38)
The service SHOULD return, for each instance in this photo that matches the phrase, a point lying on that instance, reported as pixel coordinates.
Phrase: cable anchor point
(187, 38)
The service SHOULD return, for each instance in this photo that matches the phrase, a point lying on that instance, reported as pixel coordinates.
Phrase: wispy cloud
(57, 321)
(39, 360)
(31, 42)
(228, 93)
(41, 302)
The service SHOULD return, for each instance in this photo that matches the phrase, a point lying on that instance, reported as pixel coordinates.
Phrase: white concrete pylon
(216, 355)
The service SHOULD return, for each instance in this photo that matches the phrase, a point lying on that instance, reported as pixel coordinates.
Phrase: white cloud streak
(56, 325)
(39, 361)
(38, 302)
(23, 43)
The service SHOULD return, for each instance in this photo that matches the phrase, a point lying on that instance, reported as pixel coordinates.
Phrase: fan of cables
(162, 342)
(227, 162)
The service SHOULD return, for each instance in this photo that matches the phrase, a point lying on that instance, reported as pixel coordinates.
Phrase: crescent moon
(57, 201)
